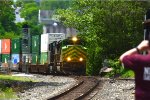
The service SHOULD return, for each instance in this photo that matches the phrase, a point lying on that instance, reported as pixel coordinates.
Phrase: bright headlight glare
(68, 59)
(81, 59)
(74, 39)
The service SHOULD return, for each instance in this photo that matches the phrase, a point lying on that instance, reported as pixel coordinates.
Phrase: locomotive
(68, 56)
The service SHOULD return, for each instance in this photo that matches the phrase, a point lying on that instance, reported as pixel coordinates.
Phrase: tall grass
(6, 93)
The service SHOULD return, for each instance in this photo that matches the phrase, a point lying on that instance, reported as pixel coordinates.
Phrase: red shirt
(140, 64)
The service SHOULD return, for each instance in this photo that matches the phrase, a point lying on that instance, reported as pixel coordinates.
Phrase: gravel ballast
(116, 90)
(46, 87)
(49, 86)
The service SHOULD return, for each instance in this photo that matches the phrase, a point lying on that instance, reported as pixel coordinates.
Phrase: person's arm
(143, 46)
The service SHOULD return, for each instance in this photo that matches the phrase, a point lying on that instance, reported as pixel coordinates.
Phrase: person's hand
(144, 45)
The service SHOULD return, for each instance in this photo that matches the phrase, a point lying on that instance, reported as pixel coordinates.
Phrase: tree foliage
(7, 17)
(55, 4)
(30, 11)
(108, 27)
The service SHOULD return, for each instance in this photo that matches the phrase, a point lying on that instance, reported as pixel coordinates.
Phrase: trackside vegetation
(7, 90)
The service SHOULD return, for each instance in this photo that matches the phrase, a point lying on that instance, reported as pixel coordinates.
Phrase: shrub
(118, 69)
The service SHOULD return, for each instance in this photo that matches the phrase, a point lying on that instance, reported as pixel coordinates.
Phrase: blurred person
(140, 64)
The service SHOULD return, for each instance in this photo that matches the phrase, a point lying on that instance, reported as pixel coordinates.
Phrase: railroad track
(81, 90)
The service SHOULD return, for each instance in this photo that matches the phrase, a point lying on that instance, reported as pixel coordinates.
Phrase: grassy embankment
(7, 90)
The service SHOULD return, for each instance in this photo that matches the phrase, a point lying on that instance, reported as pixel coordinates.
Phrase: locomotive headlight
(68, 59)
(74, 39)
(81, 59)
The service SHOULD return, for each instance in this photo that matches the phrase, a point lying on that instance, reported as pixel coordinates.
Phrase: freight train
(46, 53)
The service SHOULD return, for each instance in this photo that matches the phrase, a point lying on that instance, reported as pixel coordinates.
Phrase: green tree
(55, 4)
(30, 11)
(7, 17)
(108, 27)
